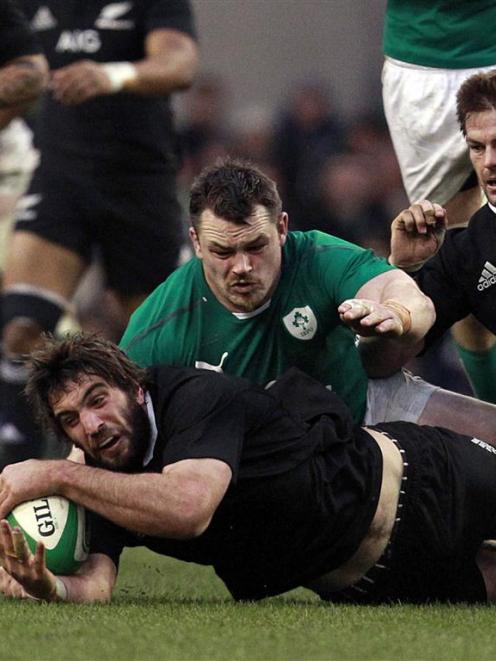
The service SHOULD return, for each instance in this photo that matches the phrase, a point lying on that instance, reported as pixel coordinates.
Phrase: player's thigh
(51, 241)
(460, 413)
(420, 108)
(402, 396)
(33, 260)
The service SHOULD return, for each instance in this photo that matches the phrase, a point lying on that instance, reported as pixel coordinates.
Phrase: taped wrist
(119, 73)
(403, 313)
(60, 590)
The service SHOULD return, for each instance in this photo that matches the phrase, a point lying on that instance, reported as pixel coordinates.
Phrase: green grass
(168, 610)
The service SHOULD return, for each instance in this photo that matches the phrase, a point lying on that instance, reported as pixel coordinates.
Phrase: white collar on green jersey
(253, 313)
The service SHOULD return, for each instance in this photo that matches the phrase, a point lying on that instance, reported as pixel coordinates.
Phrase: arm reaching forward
(392, 316)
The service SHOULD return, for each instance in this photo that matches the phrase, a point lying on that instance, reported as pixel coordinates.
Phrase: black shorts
(448, 509)
(132, 220)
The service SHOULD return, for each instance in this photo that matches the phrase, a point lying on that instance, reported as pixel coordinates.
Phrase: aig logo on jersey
(301, 323)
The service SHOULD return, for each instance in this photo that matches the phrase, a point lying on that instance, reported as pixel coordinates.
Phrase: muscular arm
(393, 333)
(177, 503)
(170, 64)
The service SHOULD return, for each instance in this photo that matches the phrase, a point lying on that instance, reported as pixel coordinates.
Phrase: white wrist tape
(119, 73)
(60, 589)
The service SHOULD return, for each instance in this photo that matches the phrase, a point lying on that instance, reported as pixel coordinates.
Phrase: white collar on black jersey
(493, 208)
(253, 313)
(153, 430)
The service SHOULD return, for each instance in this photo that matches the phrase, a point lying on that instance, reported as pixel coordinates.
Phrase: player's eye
(256, 249)
(98, 400)
(68, 420)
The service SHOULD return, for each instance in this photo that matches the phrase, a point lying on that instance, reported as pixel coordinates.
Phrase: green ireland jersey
(445, 34)
(182, 322)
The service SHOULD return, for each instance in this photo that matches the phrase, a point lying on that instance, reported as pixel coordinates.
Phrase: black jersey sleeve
(17, 38)
(106, 537)
(442, 280)
(171, 14)
(203, 418)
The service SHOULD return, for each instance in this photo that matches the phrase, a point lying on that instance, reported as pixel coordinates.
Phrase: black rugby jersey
(305, 482)
(461, 278)
(130, 129)
(16, 37)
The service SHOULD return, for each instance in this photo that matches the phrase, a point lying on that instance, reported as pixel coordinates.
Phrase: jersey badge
(487, 277)
(201, 365)
(110, 17)
(43, 20)
(301, 323)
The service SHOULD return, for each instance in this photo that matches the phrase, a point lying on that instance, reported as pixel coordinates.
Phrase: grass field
(168, 610)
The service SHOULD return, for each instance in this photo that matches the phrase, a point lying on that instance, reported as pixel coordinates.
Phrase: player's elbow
(193, 511)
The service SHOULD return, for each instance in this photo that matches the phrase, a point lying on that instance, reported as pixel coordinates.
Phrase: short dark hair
(61, 361)
(476, 94)
(230, 189)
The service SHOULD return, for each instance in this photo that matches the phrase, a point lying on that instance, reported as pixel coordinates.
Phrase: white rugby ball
(62, 527)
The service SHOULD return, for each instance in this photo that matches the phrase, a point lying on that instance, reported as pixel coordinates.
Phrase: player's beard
(139, 423)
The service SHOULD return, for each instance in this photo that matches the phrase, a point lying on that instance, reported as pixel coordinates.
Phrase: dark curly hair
(59, 362)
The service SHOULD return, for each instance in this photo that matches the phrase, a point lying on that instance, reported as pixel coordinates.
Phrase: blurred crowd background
(295, 87)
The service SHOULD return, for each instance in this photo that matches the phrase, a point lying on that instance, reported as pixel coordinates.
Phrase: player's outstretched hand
(369, 318)
(417, 233)
(23, 575)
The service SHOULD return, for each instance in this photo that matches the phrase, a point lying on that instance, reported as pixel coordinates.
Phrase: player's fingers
(404, 221)
(39, 562)
(20, 545)
(6, 540)
(354, 308)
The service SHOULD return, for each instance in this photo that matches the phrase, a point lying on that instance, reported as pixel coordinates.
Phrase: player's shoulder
(165, 307)
(314, 243)
(480, 233)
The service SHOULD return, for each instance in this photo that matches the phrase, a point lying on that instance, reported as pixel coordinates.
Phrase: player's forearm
(22, 80)
(93, 582)
(171, 65)
(145, 503)
(405, 293)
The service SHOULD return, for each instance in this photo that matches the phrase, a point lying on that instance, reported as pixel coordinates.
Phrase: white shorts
(402, 396)
(420, 108)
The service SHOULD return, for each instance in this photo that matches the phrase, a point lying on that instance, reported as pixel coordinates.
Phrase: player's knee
(25, 316)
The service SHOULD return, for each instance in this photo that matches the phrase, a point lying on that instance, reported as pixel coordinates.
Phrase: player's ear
(282, 227)
(140, 396)
(195, 242)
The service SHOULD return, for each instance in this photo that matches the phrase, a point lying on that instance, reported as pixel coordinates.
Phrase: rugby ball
(62, 527)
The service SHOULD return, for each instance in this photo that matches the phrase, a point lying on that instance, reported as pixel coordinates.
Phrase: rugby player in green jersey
(258, 299)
